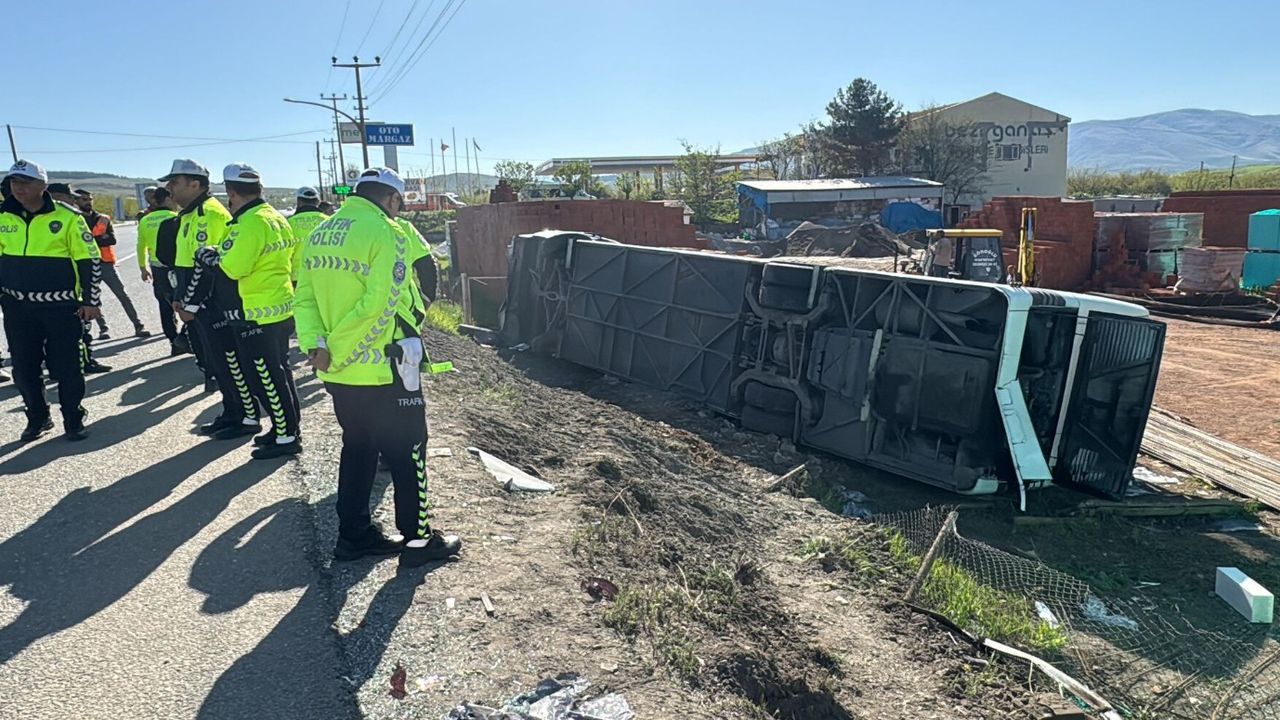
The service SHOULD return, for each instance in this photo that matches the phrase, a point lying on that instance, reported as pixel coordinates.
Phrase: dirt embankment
(720, 613)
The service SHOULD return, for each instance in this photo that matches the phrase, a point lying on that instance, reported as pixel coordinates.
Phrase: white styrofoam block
(1244, 594)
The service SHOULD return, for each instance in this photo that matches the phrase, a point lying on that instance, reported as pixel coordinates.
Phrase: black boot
(37, 425)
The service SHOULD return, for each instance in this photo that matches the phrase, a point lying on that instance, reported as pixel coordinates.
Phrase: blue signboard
(388, 134)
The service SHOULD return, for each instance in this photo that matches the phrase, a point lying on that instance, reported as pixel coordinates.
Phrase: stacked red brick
(483, 231)
(1064, 236)
(1226, 212)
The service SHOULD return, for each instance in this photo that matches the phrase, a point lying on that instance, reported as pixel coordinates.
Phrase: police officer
(63, 195)
(359, 315)
(203, 221)
(305, 218)
(249, 277)
(154, 271)
(104, 233)
(48, 286)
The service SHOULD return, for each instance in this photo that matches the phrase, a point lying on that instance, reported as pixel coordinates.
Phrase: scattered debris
(449, 603)
(488, 604)
(1245, 594)
(1231, 525)
(785, 478)
(852, 504)
(439, 452)
(425, 684)
(600, 588)
(553, 699)
(509, 476)
(1097, 611)
(1047, 615)
(1222, 463)
(397, 683)
(1151, 477)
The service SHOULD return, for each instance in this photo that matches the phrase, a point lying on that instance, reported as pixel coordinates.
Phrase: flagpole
(456, 187)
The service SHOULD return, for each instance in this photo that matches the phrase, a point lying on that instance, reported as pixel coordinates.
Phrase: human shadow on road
(270, 681)
(106, 431)
(81, 556)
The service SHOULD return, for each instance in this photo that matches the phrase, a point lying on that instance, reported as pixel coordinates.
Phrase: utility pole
(13, 148)
(431, 150)
(469, 175)
(335, 161)
(337, 130)
(319, 170)
(1231, 181)
(360, 108)
(456, 188)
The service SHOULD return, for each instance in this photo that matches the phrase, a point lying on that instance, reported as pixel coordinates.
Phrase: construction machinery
(978, 254)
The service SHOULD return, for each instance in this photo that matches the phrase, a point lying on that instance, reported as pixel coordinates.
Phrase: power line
(266, 139)
(411, 58)
(341, 29)
(400, 28)
(422, 53)
(164, 137)
(380, 80)
(370, 29)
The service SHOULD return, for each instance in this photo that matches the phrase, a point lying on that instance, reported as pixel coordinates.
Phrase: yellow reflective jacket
(252, 278)
(49, 257)
(148, 229)
(304, 222)
(203, 222)
(356, 294)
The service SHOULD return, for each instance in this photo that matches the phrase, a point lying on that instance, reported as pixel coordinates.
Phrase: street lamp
(364, 148)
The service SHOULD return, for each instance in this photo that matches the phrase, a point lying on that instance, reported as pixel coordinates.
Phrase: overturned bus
(962, 385)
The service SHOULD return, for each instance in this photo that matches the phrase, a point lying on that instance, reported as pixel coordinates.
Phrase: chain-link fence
(1143, 655)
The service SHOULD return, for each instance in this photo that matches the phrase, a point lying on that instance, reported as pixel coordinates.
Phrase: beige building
(1026, 148)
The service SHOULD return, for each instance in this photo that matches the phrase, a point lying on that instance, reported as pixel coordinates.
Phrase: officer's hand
(320, 359)
(89, 312)
(146, 275)
(186, 316)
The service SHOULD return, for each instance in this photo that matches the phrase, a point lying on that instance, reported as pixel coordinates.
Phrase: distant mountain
(1175, 140)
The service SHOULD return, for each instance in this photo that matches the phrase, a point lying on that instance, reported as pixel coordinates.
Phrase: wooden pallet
(1225, 464)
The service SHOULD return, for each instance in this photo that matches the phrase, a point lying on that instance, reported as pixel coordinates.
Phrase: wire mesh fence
(1143, 655)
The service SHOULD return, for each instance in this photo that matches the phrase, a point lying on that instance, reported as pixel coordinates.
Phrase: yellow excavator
(978, 254)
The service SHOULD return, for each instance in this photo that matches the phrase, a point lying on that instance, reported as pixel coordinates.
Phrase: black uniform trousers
(264, 350)
(49, 336)
(163, 291)
(218, 337)
(385, 420)
(176, 283)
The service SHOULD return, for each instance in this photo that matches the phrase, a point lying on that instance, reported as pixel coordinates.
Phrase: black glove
(208, 257)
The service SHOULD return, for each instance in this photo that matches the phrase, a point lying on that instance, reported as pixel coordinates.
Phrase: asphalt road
(148, 572)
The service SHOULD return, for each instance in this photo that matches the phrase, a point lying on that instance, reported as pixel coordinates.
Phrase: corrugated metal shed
(888, 187)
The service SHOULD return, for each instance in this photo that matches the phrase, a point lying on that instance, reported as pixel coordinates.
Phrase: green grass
(986, 611)
(668, 615)
(503, 393)
(444, 316)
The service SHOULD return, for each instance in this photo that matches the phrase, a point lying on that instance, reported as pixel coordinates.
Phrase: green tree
(944, 151)
(626, 185)
(517, 174)
(575, 176)
(863, 124)
(783, 156)
(708, 192)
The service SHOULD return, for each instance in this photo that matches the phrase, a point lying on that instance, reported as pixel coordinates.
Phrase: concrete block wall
(1226, 212)
(483, 231)
(1064, 236)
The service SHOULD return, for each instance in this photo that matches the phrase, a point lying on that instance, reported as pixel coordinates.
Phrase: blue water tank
(1262, 264)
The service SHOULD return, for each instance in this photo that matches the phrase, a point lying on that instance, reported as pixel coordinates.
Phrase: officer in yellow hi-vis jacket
(154, 271)
(49, 273)
(359, 313)
(304, 220)
(203, 221)
(249, 278)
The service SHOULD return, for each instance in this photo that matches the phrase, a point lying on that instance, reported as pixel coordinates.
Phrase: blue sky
(532, 79)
